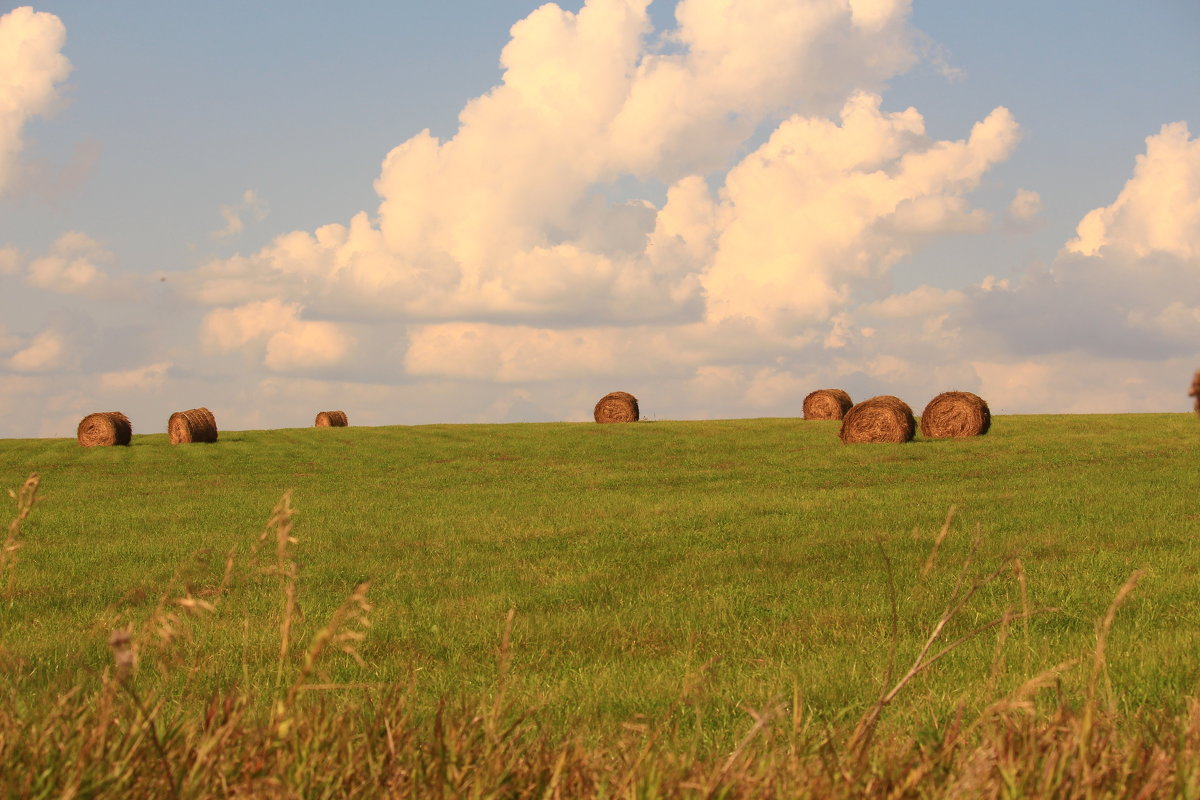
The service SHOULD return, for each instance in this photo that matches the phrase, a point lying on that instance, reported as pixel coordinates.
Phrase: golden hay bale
(1195, 392)
(104, 429)
(332, 419)
(617, 407)
(955, 415)
(194, 425)
(881, 419)
(827, 404)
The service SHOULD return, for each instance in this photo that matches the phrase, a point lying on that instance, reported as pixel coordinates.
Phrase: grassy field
(734, 563)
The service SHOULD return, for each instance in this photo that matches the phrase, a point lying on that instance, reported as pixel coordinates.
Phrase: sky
(500, 211)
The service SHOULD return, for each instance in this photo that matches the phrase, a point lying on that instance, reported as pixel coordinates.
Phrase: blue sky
(140, 220)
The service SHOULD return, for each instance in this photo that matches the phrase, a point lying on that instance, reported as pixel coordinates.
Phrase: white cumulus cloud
(1113, 322)
(1025, 205)
(250, 206)
(141, 379)
(1158, 210)
(821, 207)
(508, 218)
(31, 66)
(74, 265)
(47, 351)
(509, 258)
(274, 331)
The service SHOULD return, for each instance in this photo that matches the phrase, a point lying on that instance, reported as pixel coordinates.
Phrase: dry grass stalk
(503, 665)
(882, 419)
(827, 404)
(937, 542)
(617, 407)
(955, 415)
(1195, 392)
(120, 643)
(162, 632)
(104, 429)
(1100, 662)
(331, 419)
(26, 496)
(345, 629)
(280, 527)
(960, 596)
(194, 425)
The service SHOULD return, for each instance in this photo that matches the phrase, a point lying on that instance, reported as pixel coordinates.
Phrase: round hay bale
(1195, 392)
(332, 419)
(194, 425)
(884, 418)
(955, 415)
(827, 404)
(104, 429)
(617, 407)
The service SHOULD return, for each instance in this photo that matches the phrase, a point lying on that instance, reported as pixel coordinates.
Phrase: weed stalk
(26, 496)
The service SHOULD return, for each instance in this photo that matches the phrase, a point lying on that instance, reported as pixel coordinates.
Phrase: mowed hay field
(661, 573)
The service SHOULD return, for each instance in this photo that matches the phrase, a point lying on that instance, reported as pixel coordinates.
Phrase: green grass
(750, 557)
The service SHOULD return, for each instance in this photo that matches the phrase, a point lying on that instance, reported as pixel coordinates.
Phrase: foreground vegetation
(696, 608)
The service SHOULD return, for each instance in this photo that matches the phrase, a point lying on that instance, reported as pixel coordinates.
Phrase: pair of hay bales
(950, 415)
(112, 428)
(887, 418)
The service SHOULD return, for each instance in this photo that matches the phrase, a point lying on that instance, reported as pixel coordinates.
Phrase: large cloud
(31, 65)
(1158, 210)
(1128, 284)
(288, 343)
(508, 219)
(1113, 323)
(821, 207)
(75, 265)
(45, 352)
(805, 228)
(502, 251)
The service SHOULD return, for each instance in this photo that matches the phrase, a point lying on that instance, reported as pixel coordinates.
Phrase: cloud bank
(786, 196)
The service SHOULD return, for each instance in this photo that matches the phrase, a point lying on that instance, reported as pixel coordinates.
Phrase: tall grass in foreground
(120, 735)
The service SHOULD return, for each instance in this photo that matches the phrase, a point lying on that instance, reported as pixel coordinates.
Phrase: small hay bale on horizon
(1195, 392)
(884, 419)
(193, 425)
(827, 404)
(617, 407)
(331, 419)
(956, 415)
(104, 429)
